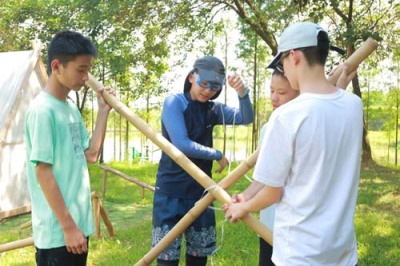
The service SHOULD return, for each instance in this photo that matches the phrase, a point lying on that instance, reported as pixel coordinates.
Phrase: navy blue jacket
(188, 125)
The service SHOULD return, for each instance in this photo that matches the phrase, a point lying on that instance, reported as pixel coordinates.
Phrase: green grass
(383, 152)
(377, 222)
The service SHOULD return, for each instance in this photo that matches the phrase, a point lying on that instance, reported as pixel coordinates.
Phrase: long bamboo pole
(16, 244)
(356, 58)
(198, 209)
(177, 156)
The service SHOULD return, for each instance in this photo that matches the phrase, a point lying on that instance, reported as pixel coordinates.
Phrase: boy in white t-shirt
(309, 160)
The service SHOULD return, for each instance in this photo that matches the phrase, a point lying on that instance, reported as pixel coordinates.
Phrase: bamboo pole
(177, 156)
(356, 58)
(16, 244)
(198, 209)
(26, 225)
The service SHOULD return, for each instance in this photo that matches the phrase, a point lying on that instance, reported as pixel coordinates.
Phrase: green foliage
(132, 36)
(374, 109)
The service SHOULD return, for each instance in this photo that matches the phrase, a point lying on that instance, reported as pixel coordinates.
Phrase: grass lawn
(377, 222)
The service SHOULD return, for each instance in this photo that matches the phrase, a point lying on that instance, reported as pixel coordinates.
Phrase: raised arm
(96, 142)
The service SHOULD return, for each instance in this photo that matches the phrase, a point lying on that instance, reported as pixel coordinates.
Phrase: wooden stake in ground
(99, 212)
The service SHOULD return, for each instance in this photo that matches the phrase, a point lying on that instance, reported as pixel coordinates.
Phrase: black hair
(67, 45)
(187, 86)
(318, 54)
(278, 73)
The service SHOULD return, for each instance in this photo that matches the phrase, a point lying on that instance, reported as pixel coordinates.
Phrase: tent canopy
(21, 80)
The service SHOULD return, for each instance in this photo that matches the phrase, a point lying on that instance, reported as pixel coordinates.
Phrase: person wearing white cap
(188, 120)
(309, 161)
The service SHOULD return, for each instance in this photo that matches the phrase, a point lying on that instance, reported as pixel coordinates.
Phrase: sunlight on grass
(383, 152)
(377, 222)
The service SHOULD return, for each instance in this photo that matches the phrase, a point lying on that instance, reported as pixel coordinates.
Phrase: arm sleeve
(41, 134)
(174, 122)
(276, 154)
(242, 116)
(85, 138)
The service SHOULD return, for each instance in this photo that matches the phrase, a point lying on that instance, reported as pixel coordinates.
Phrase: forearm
(264, 198)
(252, 190)
(246, 109)
(99, 133)
(242, 116)
(195, 150)
(53, 196)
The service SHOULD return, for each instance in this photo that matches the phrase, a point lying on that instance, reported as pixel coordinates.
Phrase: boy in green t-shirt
(58, 149)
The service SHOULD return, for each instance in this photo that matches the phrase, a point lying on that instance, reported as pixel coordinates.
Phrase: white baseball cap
(298, 35)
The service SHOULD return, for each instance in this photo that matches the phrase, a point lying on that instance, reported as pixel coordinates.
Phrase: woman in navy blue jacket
(188, 120)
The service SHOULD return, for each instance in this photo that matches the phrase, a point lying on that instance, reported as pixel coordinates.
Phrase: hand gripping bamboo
(356, 58)
(198, 209)
(177, 156)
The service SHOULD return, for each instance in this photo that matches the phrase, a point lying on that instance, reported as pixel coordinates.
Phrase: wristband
(243, 94)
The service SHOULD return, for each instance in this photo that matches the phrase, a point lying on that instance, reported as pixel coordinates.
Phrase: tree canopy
(136, 39)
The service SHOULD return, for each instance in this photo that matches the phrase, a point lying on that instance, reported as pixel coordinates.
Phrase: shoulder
(40, 104)
(352, 97)
(175, 103)
(173, 99)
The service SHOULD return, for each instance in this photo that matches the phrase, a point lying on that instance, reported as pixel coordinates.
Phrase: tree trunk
(366, 147)
(397, 127)
(255, 72)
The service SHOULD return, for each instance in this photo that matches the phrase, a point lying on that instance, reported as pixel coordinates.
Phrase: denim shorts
(200, 236)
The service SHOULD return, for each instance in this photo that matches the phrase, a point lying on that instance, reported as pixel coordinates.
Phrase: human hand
(222, 164)
(103, 105)
(344, 78)
(75, 241)
(236, 198)
(234, 211)
(236, 82)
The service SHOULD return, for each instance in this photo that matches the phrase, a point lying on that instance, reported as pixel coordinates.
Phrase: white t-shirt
(312, 149)
(267, 215)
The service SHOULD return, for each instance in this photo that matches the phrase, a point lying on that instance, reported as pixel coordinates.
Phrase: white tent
(22, 78)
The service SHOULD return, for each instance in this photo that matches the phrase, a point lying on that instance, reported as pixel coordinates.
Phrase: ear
(55, 66)
(191, 78)
(296, 55)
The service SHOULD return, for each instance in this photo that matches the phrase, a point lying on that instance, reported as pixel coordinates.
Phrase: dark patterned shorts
(200, 237)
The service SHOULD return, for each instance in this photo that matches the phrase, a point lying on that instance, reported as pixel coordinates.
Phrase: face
(288, 63)
(281, 92)
(75, 73)
(202, 91)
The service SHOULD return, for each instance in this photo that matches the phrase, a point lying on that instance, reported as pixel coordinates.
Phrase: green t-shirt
(56, 134)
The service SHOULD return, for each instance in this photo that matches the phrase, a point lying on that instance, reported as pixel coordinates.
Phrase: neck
(313, 80)
(56, 89)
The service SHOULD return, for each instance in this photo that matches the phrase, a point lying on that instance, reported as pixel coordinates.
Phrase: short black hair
(278, 73)
(67, 45)
(318, 54)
